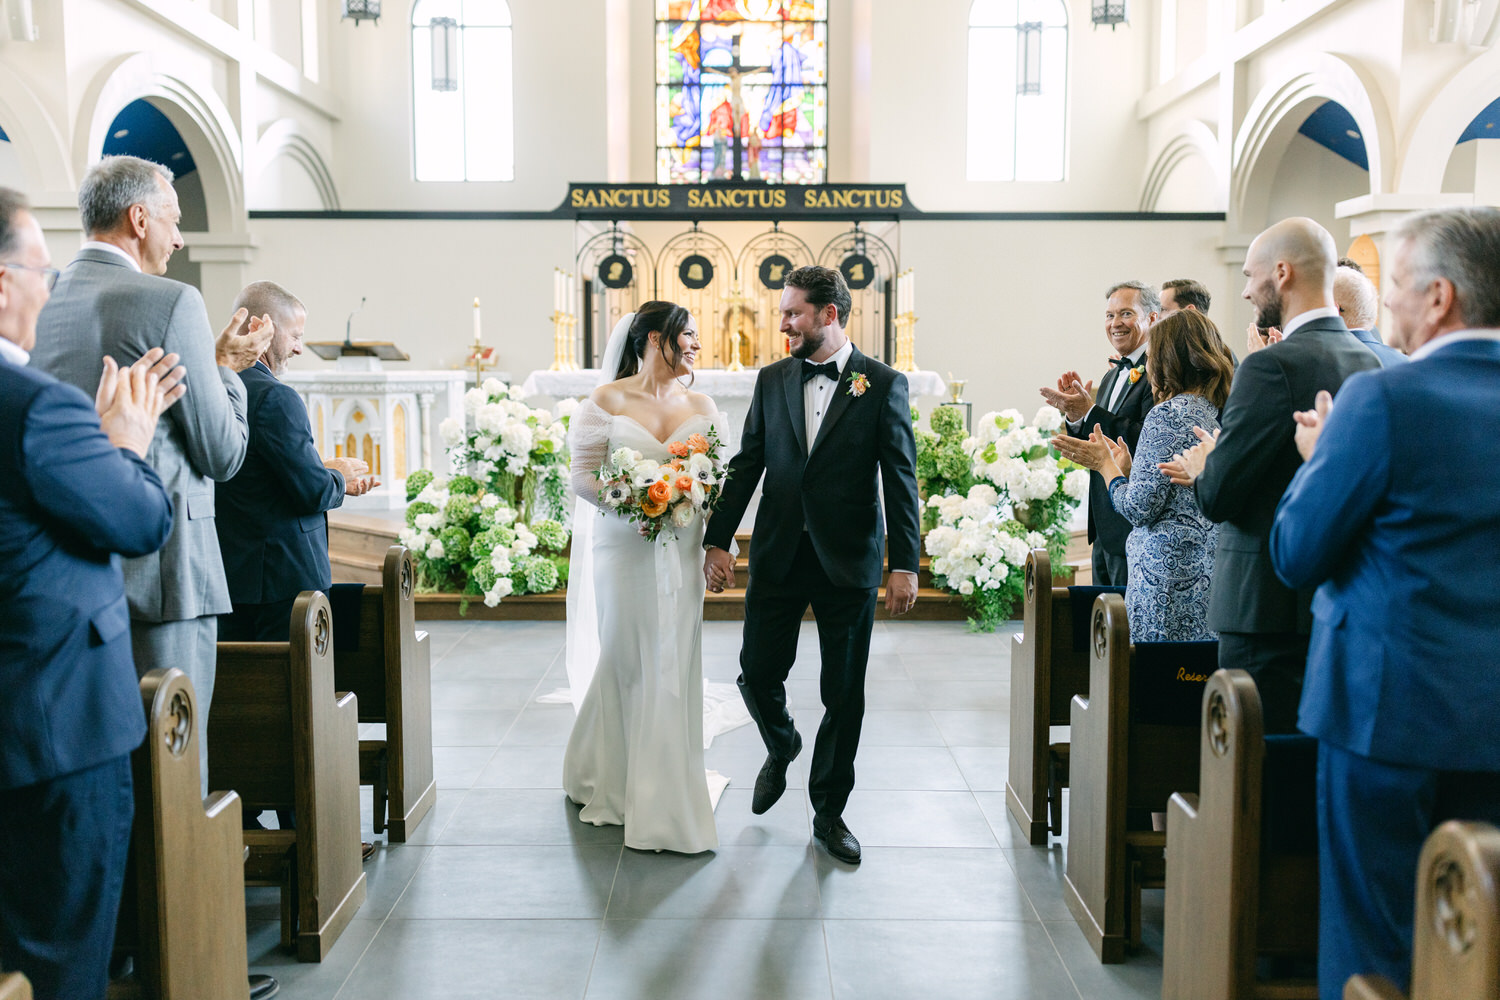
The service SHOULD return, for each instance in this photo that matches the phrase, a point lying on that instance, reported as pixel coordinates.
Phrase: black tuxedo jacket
(827, 487)
(1106, 526)
(272, 528)
(1253, 463)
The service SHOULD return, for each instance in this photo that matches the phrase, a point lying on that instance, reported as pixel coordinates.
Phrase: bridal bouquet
(664, 497)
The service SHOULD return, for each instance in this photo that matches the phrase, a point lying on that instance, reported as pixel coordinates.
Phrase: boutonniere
(1136, 373)
(858, 383)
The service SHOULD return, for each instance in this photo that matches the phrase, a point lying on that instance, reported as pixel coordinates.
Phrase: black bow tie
(1122, 362)
(811, 371)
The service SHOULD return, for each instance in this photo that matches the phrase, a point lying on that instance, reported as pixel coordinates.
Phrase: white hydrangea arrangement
(517, 451)
(1023, 497)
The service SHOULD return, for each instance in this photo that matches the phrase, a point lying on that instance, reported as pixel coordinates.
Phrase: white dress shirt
(1116, 391)
(1302, 319)
(14, 353)
(101, 245)
(817, 392)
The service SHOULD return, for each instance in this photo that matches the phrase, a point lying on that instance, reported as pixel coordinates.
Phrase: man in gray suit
(112, 302)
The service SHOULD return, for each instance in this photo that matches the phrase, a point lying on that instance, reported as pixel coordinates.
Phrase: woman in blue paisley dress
(1170, 551)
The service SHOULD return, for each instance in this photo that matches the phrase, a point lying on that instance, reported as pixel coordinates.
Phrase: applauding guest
(1359, 305)
(1240, 473)
(1171, 548)
(111, 301)
(1391, 518)
(73, 495)
(272, 527)
(1124, 399)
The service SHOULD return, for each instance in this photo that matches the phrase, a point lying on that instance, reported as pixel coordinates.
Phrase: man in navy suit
(1239, 474)
(830, 429)
(75, 495)
(1393, 519)
(1359, 305)
(273, 529)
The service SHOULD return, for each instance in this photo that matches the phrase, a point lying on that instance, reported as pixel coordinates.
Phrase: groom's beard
(811, 343)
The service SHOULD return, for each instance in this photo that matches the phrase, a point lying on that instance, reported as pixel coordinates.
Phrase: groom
(823, 425)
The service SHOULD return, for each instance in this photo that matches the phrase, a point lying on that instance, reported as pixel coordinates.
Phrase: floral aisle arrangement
(468, 540)
(664, 497)
(1019, 494)
(517, 452)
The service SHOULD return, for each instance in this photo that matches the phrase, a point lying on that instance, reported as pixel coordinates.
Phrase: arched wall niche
(1276, 114)
(1427, 149)
(282, 142)
(38, 147)
(199, 115)
(1194, 145)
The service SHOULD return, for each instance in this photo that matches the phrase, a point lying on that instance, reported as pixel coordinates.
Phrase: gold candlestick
(559, 351)
(570, 323)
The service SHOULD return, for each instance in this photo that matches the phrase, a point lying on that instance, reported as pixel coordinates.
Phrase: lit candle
(572, 293)
(556, 290)
(476, 321)
(911, 290)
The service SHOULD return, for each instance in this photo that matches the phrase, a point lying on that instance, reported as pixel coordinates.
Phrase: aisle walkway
(503, 894)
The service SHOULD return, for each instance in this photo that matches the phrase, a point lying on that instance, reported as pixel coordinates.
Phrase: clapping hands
(238, 351)
(356, 473)
(1254, 341)
(1186, 466)
(1310, 424)
(129, 401)
(1071, 396)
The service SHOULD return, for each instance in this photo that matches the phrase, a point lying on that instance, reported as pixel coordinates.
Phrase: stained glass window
(463, 115)
(741, 91)
(1018, 90)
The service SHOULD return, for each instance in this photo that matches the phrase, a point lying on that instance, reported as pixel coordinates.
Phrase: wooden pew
(182, 914)
(1047, 668)
(281, 737)
(1135, 742)
(14, 986)
(1242, 856)
(1456, 945)
(387, 663)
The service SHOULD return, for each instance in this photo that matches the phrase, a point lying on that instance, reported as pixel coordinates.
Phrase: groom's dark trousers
(818, 541)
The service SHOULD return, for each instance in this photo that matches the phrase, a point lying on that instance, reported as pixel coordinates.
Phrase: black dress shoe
(836, 837)
(771, 781)
(263, 987)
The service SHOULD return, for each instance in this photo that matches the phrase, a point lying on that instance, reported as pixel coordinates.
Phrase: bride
(635, 664)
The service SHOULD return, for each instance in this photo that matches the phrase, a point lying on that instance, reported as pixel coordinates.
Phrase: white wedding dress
(635, 756)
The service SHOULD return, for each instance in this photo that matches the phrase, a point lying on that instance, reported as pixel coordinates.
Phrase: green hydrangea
(946, 421)
(455, 543)
(484, 574)
(535, 574)
(458, 510)
(418, 507)
(952, 463)
(463, 486)
(417, 482)
(549, 534)
(490, 539)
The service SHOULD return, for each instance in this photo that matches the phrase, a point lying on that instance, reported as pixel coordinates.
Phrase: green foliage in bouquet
(943, 466)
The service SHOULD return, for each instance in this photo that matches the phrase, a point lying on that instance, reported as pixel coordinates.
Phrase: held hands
(1186, 466)
(356, 473)
(237, 351)
(130, 401)
(1310, 424)
(1071, 396)
(900, 592)
(718, 569)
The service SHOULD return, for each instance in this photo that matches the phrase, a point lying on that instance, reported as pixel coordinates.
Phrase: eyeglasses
(49, 274)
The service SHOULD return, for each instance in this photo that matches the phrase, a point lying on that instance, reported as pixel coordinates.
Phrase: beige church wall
(1006, 305)
(1310, 181)
(559, 112)
(278, 27)
(285, 185)
(99, 32)
(919, 114)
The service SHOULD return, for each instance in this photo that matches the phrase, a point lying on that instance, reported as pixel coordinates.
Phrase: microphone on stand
(348, 323)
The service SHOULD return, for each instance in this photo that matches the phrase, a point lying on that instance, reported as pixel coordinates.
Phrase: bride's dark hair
(668, 319)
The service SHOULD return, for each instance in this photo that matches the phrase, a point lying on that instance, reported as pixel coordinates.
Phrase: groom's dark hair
(824, 286)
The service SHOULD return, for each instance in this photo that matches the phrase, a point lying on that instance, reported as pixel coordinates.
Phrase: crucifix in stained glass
(742, 91)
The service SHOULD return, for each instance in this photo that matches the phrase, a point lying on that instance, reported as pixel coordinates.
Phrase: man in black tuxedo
(272, 520)
(1240, 473)
(829, 427)
(1124, 400)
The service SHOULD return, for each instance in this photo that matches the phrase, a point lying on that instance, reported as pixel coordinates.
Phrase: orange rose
(678, 448)
(658, 495)
(698, 443)
(651, 509)
(684, 484)
(677, 464)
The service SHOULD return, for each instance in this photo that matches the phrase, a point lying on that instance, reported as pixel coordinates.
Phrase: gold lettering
(695, 198)
(882, 199)
(778, 199)
(868, 195)
(663, 198)
(809, 198)
(843, 199)
(1183, 675)
(896, 199)
(577, 198)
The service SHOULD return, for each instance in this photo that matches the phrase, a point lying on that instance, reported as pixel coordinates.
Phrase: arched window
(463, 107)
(1018, 90)
(741, 91)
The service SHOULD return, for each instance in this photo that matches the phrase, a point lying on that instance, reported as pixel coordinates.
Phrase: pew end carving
(389, 667)
(1456, 946)
(1134, 743)
(284, 739)
(1242, 873)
